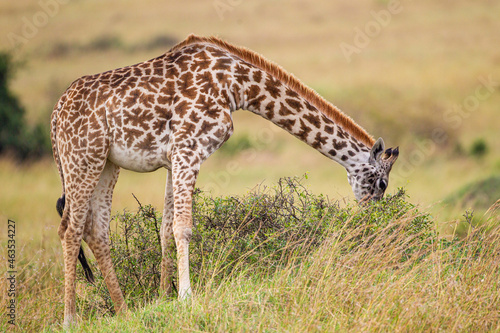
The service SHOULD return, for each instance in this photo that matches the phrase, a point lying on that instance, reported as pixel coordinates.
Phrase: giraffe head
(369, 179)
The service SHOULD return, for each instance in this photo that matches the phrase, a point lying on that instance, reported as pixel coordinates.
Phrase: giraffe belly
(139, 160)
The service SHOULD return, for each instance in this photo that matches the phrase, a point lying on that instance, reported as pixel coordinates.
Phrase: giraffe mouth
(367, 198)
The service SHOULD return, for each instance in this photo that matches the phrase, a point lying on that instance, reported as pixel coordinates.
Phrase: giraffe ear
(377, 150)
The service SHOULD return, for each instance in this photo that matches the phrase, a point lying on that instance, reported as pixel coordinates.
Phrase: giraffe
(174, 111)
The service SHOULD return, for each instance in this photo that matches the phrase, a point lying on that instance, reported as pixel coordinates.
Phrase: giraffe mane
(325, 107)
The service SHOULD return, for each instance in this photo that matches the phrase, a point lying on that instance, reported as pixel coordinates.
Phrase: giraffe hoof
(69, 323)
(184, 295)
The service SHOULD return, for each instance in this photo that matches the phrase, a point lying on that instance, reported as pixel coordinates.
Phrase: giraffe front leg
(98, 237)
(167, 239)
(182, 234)
(185, 167)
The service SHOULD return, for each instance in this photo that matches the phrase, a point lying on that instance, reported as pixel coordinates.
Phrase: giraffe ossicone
(174, 111)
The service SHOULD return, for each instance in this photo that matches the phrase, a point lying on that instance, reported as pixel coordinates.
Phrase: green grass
(480, 195)
(475, 198)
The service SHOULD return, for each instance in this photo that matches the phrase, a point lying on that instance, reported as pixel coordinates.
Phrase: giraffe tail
(81, 255)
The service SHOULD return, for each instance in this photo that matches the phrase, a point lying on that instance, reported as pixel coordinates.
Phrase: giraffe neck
(268, 97)
(249, 81)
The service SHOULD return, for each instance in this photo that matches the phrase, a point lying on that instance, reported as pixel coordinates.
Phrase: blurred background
(424, 75)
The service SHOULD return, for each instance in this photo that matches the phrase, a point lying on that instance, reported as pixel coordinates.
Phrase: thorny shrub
(262, 230)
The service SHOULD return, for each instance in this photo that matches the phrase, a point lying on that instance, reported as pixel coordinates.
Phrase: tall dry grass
(355, 280)
(38, 288)
(351, 282)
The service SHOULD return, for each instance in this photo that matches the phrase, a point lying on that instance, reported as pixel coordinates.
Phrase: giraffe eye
(382, 184)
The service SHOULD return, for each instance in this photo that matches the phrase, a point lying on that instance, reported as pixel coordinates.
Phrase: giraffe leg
(167, 239)
(185, 167)
(79, 204)
(98, 235)
(69, 304)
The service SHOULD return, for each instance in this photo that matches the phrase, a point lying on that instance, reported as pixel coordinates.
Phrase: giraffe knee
(183, 233)
(63, 227)
(72, 238)
(187, 234)
(61, 231)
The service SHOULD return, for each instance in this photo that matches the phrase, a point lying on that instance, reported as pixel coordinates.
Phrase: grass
(444, 286)
(263, 228)
(360, 276)
(429, 59)
(480, 195)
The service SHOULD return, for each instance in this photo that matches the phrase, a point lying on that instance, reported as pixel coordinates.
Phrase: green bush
(259, 232)
(16, 138)
(236, 145)
(479, 148)
(11, 112)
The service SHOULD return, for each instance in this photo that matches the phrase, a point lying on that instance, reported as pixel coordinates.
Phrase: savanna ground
(418, 81)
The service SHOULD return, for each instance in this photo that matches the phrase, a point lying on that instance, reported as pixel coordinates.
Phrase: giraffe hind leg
(61, 202)
(79, 207)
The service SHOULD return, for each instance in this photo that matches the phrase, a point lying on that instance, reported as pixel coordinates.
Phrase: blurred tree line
(17, 138)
